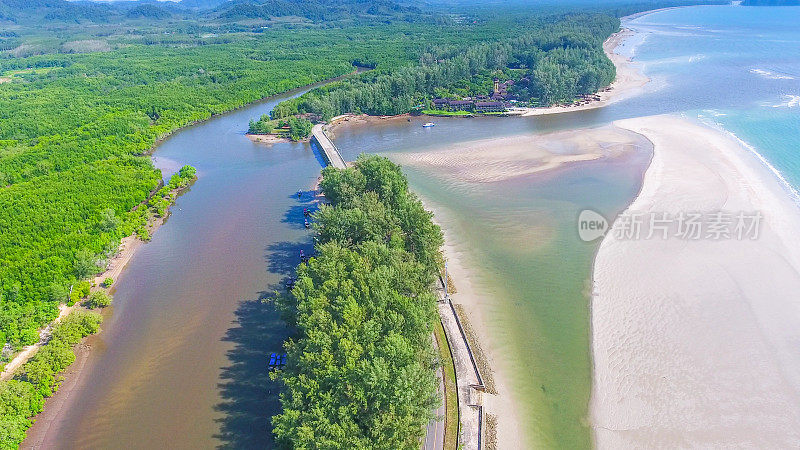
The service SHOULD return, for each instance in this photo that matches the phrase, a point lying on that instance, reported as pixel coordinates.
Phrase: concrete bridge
(326, 146)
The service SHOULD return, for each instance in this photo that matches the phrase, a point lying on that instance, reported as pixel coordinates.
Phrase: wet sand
(491, 160)
(695, 340)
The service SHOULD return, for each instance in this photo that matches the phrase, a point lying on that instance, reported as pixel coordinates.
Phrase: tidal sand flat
(498, 159)
(522, 274)
(695, 338)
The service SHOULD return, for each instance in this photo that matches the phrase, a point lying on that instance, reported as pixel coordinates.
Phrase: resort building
(461, 105)
(440, 103)
(490, 107)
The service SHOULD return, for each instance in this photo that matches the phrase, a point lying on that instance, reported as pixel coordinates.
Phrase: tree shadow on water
(249, 396)
(284, 257)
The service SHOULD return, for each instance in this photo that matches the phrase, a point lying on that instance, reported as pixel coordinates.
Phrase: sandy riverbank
(629, 80)
(695, 341)
(127, 248)
(267, 138)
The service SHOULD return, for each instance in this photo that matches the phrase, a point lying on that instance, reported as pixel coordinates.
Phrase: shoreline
(679, 366)
(70, 376)
(470, 302)
(628, 82)
(516, 157)
(272, 139)
(160, 139)
(129, 244)
(127, 248)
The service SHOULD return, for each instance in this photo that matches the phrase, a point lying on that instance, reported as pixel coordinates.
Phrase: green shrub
(23, 397)
(98, 299)
(108, 281)
(79, 290)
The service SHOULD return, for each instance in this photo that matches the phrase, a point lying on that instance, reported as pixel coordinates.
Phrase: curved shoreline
(628, 82)
(678, 351)
(36, 436)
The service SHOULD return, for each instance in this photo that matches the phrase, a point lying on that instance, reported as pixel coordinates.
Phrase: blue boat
(428, 125)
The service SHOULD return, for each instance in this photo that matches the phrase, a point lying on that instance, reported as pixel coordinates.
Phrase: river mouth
(510, 220)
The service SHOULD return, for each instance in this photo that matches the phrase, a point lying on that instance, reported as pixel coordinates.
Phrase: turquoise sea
(737, 68)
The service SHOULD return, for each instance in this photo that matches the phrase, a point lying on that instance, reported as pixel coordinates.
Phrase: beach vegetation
(451, 421)
(108, 281)
(442, 112)
(264, 125)
(80, 289)
(299, 128)
(558, 59)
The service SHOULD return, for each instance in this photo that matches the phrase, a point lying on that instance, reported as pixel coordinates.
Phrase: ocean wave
(789, 101)
(791, 190)
(771, 75)
(684, 59)
(714, 112)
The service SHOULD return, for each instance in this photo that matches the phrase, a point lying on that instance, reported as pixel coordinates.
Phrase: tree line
(562, 60)
(22, 397)
(360, 371)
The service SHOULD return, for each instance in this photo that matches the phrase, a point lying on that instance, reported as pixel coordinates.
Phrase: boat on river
(428, 125)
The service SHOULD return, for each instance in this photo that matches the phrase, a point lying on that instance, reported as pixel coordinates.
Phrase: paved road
(434, 439)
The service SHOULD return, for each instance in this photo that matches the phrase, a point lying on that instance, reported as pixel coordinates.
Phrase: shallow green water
(521, 244)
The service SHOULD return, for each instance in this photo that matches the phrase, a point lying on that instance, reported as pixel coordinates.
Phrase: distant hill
(150, 11)
(316, 10)
(37, 11)
(61, 10)
(201, 4)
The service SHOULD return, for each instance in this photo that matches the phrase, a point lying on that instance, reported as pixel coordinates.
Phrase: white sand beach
(695, 341)
(629, 81)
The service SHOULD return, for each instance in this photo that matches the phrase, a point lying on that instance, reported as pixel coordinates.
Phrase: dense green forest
(75, 129)
(561, 60)
(360, 362)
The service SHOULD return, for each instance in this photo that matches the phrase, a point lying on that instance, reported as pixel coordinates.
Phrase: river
(181, 358)
(182, 354)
